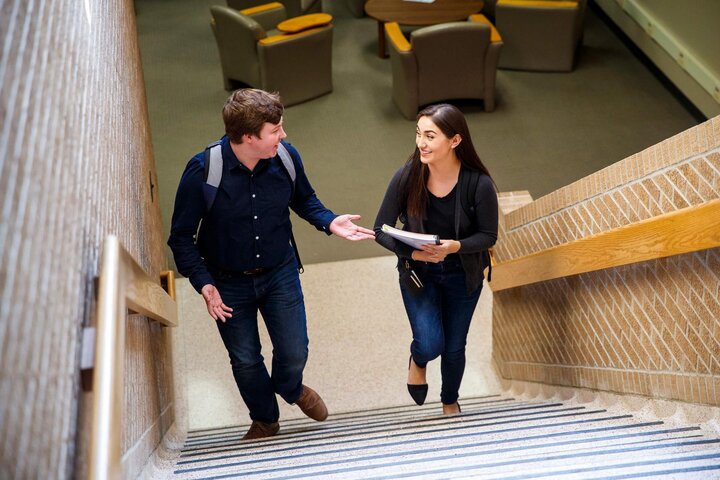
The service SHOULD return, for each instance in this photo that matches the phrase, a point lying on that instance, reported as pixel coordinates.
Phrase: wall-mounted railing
(123, 286)
(682, 231)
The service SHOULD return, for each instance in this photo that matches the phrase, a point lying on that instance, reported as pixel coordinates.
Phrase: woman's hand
(436, 253)
(215, 306)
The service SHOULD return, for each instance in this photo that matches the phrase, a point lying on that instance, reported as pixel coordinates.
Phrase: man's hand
(343, 227)
(436, 253)
(215, 306)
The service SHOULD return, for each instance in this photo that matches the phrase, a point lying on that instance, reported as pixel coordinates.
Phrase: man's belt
(220, 274)
(255, 271)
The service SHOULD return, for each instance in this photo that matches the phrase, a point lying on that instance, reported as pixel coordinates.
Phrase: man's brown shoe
(261, 430)
(312, 405)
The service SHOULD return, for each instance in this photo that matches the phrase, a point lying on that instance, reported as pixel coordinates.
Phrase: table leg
(382, 53)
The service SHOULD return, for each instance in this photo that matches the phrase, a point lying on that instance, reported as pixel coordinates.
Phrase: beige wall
(75, 165)
(651, 328)
(694, 22)
(680, 38)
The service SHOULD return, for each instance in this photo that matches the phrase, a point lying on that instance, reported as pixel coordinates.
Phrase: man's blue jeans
(440, 320)
(278, 296)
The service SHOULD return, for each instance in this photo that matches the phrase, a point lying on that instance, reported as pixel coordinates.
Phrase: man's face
(266, 144)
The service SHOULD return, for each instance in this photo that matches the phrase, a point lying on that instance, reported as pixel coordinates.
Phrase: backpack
(213, 176)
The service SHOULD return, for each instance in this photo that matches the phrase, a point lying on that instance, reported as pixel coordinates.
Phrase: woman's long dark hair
(451, 122)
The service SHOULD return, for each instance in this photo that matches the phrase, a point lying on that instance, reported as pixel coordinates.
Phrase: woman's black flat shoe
(417, 392)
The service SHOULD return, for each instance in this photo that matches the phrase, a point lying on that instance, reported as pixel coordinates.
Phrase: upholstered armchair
(539, 35)
(297, 64)
(489, 8)
(357, 7)
(442, 62)
(294, 8)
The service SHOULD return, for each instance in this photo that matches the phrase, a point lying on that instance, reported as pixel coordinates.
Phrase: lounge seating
(539, 35)
(357, 7)
(297, 64)
(294, 8)
(442, 62)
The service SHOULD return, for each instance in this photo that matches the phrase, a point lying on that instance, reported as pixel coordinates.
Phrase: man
(242, 259)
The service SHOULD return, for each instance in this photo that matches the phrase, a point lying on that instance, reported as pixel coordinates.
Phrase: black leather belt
(220, 274)
(255, 271)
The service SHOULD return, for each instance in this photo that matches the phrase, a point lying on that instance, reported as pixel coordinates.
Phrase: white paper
(415, 240)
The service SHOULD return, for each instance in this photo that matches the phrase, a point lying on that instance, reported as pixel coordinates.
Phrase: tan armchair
(294, 8)
(297, 65)
(539, 35)
(449, 61)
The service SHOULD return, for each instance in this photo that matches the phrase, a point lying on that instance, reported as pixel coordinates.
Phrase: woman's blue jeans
(278, 296)
(440, 320)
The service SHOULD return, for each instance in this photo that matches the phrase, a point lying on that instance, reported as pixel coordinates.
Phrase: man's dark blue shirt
(248, 226)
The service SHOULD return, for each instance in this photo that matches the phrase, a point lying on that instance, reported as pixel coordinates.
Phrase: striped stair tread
(493, 438)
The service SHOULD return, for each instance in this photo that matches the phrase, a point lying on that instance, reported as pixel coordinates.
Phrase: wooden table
(417, 13)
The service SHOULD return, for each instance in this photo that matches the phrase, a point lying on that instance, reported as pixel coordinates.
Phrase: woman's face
(434, 146)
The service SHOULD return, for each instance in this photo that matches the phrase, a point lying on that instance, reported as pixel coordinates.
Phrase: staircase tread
(494, 437)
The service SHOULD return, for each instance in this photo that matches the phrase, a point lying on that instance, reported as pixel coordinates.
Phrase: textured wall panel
(650, 328)
(75, 165)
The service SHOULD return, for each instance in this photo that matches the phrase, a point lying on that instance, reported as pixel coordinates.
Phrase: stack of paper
(415, 240)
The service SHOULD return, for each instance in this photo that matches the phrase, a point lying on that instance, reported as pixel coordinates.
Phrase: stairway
(494, 438)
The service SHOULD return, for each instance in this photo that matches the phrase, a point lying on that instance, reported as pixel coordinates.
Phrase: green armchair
(297, 65)
(540, 35)
(442, 62)
(357, 7)
(294, 8)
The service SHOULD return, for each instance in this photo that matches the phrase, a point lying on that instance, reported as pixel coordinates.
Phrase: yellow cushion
(303, 22)
(396, 36)
(480, 18)
(261, 8)
(286, 36)
(540, 3)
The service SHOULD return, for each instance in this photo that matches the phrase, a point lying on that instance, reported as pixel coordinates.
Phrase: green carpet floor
(548, 130)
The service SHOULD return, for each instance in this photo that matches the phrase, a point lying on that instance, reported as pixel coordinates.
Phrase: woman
(443, 189)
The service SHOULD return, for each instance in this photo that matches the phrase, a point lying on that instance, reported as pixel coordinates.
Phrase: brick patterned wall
(75, 165)
(651, 328)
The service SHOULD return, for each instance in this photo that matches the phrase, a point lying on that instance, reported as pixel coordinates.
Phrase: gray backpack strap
(215, 168)
(213, 173)
(287, 162)
(290, 167)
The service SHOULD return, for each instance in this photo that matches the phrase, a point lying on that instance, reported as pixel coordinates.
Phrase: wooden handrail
(683, 231)
(123, 284)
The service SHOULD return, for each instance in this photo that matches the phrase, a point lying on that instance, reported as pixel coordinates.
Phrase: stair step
(493, 438)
